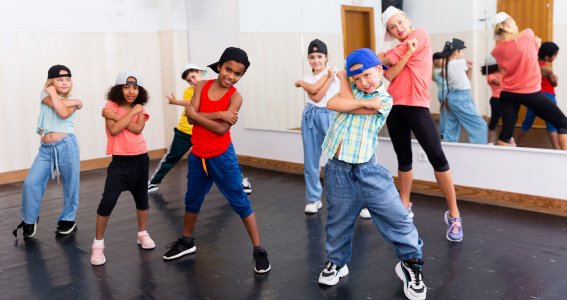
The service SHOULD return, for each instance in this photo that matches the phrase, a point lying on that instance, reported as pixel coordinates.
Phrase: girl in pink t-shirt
(493, 78)
(516, 53)
(125, 119)
(409, 73)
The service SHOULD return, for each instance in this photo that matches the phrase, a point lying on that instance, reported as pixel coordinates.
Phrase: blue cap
(363, 56)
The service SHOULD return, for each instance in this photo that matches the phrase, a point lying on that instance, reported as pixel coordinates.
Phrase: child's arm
(61, 108)
(174, 101)
(395, 70)
(547, 71)
(318, 96)
(312, 89)
(347, 96)
(469, 69)
(115, 124)
(195, 102)
(219, 128)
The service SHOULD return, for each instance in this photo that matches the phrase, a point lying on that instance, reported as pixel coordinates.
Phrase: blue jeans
(351, 187)
(224, 171)
(530, 117)
(63, 158)
(462, 111)
(314, 125)
(442, 113)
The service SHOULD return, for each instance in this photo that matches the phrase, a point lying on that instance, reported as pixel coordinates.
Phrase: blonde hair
(500, 28)
(49, 83)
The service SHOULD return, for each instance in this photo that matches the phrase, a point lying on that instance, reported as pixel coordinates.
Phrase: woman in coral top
(516, 53)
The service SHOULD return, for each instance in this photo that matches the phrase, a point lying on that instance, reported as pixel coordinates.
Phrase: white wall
(96, 40)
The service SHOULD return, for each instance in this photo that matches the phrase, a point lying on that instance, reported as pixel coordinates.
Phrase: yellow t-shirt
(183, 124)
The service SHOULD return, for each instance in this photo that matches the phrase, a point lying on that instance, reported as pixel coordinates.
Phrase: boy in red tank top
(212, 111)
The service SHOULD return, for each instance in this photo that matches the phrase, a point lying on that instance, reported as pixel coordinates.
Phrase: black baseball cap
(318, 46)
(55, 70)
(232, 53)
(453, 45)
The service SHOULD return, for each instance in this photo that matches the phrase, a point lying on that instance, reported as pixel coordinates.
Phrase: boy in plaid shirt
(354, 180)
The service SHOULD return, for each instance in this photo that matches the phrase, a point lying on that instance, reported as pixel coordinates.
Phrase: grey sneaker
(454, 228)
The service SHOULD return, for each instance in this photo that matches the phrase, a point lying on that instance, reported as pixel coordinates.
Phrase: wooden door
(534, 14)
(358, 28)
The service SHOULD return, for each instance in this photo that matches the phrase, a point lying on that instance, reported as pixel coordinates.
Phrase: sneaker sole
(33, 233)
(152, 190)
(74, 228)
(446, 217)
(342, 273)
(145, 248)
(188, 251)
(248, 192)
(263, 271)
(102, 263)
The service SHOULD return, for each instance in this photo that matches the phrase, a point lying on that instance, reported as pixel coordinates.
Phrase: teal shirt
(357, 134)
(49, 121)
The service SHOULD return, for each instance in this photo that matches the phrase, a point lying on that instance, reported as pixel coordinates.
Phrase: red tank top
(546, 85)
(207, 144)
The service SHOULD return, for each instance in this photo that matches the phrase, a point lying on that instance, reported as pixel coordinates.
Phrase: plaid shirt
(357, 135)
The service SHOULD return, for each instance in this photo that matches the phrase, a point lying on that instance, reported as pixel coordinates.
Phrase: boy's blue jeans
(314, 125)
(63, 157)
(530, 117)
(462, 111)
(351, 187)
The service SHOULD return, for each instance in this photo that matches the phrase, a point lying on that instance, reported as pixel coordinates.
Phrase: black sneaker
(65, 227)
(332, 273)
(409, 272)
(246, 186)
(29, 230)
(152, 187)
(179, 248)
(261, 260)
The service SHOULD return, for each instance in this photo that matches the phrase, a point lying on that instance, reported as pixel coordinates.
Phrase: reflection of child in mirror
(494, 76)
(438, 78)
(320, 86)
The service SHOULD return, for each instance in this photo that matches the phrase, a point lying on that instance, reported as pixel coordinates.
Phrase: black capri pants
(402, 121)
(125, 173)
(495, 112)
(538, 103)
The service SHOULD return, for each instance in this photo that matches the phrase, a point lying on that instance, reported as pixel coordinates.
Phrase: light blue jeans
(351, 187)
(462, 111)
(314, 125)
(61, 157)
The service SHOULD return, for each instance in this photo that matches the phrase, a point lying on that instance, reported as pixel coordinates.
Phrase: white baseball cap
(386, 15)
(122, 78)
(191, 66)
(499, 18)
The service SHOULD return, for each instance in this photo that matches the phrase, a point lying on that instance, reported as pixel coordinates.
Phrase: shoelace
(15, 232)
(456, 226)
(171, 245)
(416, 278)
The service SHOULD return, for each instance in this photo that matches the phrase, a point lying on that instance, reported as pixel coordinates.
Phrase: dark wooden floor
(506, 254)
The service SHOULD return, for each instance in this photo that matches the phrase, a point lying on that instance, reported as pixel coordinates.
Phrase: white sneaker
(365, 214)
(145, 241)
(97, 256)
(313, 207)
(330, 275)
(246, 186)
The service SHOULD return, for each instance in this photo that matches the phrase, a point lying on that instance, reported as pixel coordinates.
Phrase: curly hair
(116, 95)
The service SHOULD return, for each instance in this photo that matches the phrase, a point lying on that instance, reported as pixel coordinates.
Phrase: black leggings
(402, 121)
(538, 103)
(125, 173)
(495, 113)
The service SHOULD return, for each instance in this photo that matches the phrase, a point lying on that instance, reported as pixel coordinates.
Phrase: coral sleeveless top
(207, 144)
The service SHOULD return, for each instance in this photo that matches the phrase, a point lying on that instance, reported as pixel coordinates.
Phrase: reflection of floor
(506, 253)
(536, 137)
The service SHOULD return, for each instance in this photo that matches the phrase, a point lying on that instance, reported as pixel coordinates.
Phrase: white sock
(140, 233)
(98, 242)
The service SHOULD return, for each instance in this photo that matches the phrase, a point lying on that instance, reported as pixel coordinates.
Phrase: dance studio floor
(506, 253)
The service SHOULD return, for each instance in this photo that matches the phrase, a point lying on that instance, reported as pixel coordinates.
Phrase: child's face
(399, 26)
(230, 73)
(369, 80)
(318, 61)
(193, 76)
(62, 84)
(130, 92)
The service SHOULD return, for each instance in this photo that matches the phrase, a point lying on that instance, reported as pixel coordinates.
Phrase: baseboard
(86, 165)
(539, 204)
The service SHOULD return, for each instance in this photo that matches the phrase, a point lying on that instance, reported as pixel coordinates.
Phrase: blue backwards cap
(363, 56)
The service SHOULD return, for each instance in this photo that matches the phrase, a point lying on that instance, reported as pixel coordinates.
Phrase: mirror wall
(276, 35)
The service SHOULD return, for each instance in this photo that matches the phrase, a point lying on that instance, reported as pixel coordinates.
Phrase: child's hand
(171, 99)
(412, 45)
(341, 74)
(108, 113)
(79, 104)
(138, 108)
(469, 64)
(189, 110)
(298, 83)
(374, 103)
(51, 90)
(332, 71)
(229, 116)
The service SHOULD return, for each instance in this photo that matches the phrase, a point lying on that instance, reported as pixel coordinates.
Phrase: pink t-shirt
(494, 87)
(411, 86)
(519, 58)
(126, 142)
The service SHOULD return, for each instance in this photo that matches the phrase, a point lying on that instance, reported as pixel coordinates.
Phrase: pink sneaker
(145, 240)
(97, 257)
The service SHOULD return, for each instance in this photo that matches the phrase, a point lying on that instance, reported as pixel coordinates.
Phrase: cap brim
(214, 66)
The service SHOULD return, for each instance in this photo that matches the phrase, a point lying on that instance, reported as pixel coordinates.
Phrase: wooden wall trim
(479, 195)
(86, 165)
